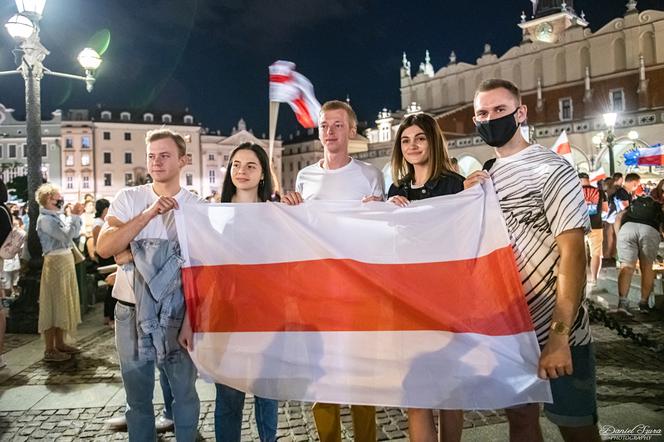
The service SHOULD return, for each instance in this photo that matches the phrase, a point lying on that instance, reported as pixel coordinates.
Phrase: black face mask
(59, 204)
(498, 132)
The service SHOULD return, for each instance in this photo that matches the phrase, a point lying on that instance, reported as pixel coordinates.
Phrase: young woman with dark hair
(246, 161)
(421, 164)
(421, 168)
(248, 180)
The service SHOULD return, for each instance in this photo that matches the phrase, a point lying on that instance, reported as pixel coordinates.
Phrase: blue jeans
(139, 379)
(228, 407)
(575, 396)
(168, 394)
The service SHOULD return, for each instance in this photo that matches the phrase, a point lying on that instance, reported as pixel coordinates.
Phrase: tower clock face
(544, 32)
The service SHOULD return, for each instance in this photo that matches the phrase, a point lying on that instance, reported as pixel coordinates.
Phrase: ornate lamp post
(29, 55)
(610, 121)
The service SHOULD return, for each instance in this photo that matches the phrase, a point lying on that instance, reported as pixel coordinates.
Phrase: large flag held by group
(345, 302)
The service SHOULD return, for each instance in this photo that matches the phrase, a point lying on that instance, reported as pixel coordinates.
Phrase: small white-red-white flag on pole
(289, 86)
(597, 175)
(563, 148)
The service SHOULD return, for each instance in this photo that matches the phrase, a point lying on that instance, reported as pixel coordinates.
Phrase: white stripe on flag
(422, 369)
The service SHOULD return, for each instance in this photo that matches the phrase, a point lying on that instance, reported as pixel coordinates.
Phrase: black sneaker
(644, 307)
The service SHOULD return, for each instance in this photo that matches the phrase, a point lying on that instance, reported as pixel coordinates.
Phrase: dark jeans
(228, 415)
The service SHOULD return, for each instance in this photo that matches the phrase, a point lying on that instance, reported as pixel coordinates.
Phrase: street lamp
(29, 55)
(610, 121)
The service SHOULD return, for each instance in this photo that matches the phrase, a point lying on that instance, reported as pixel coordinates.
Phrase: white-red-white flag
(597, 175)
(289, 86)
(350, 303)
(563, 148)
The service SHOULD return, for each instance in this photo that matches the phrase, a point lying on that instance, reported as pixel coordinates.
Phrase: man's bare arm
(556, 359)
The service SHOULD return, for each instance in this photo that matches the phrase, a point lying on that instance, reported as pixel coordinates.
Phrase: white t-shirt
(127, 205)
(354, 181)
(540, 196)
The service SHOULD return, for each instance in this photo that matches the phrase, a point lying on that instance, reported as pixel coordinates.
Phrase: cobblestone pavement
(625, 371)
(13, 341)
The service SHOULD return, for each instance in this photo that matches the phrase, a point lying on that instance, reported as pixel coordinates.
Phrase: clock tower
(550, 19)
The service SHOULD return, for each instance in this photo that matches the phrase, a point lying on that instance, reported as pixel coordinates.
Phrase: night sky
(211, 56)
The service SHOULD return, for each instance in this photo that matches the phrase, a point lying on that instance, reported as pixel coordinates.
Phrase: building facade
(13, 147)
(103, 151)
(567, 84)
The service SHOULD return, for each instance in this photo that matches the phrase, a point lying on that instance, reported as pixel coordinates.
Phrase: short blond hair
(45, 192)
(340, 105)
(160, 134)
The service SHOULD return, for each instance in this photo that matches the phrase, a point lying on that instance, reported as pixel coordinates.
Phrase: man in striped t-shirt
(545, 212)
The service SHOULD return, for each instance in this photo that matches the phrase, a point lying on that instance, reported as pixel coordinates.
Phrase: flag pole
(274, 114)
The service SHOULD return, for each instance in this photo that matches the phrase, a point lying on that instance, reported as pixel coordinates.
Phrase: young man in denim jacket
(145, 213)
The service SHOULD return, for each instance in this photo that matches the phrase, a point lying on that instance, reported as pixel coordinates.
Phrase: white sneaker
(163, 424)
(117, 423)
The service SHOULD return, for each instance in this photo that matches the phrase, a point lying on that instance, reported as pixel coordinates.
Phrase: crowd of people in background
(626, 215)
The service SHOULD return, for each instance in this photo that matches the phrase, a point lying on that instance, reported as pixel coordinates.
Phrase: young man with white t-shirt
(339, 177)
(137, 213)
(546, 216)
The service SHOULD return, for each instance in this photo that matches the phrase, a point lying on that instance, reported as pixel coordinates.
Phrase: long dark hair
(100, 205)
(265, 186)
(4, 195)
(439, 158)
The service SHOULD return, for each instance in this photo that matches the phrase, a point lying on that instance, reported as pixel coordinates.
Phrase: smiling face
(414, 145)
(335, 130)
(246, 171)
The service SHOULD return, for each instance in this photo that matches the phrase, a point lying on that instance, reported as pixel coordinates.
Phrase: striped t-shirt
(541, 197)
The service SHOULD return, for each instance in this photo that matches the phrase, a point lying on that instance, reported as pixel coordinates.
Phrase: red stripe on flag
(303, 116)
(482, 295)
(654, 160)
(277, 78)
(563, 149)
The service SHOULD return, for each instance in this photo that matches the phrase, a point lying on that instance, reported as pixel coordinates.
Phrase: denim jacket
(55, 231)
(160, 306)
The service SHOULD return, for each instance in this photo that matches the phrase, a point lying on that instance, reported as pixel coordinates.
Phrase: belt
(128, 304)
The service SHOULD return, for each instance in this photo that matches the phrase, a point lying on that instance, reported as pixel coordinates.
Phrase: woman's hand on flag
(399, 200)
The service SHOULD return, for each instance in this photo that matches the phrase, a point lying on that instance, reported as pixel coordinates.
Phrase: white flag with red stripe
(563, 148)
(344, 302)
(289, 86)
